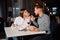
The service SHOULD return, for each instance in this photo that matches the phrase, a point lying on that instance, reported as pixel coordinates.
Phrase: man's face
(36, 11)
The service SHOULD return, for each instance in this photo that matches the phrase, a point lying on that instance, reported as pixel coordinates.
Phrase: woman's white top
(21, 23)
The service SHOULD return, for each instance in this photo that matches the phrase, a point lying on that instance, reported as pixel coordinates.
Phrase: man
(43, 21)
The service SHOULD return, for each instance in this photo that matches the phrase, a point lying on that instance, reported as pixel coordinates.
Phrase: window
(54, 10)
(15, 12)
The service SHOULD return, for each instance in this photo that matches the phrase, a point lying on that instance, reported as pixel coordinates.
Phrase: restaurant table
(15, 33)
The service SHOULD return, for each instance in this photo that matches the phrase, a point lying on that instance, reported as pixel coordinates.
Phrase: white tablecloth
(14, 33)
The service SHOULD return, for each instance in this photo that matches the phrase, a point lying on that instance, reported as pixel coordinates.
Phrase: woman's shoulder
(19, 17)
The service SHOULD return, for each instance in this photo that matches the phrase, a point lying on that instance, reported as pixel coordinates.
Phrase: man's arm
(47, 24)
(33, 22)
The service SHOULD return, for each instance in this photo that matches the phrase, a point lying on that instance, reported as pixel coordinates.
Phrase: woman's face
(26, 13)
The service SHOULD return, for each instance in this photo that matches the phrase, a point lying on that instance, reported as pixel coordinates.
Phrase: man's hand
(36, 29)
(32, 18)
(33, 28)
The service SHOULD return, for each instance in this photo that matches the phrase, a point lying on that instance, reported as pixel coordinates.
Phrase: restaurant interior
(9, 10)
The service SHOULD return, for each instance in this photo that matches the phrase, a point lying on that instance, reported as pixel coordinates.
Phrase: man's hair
(38, 6)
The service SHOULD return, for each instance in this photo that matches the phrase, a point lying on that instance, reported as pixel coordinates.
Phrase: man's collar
(41, 16)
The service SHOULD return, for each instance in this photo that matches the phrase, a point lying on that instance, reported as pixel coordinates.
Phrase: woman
(22, 22)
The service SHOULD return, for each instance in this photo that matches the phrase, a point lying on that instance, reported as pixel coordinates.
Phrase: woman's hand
(13, 25)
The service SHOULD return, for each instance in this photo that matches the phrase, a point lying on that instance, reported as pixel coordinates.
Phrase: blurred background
(9, 9)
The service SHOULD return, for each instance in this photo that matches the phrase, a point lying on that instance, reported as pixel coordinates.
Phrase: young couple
(23, 21)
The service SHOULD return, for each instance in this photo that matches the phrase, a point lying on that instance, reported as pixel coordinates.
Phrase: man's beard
(36, 15)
